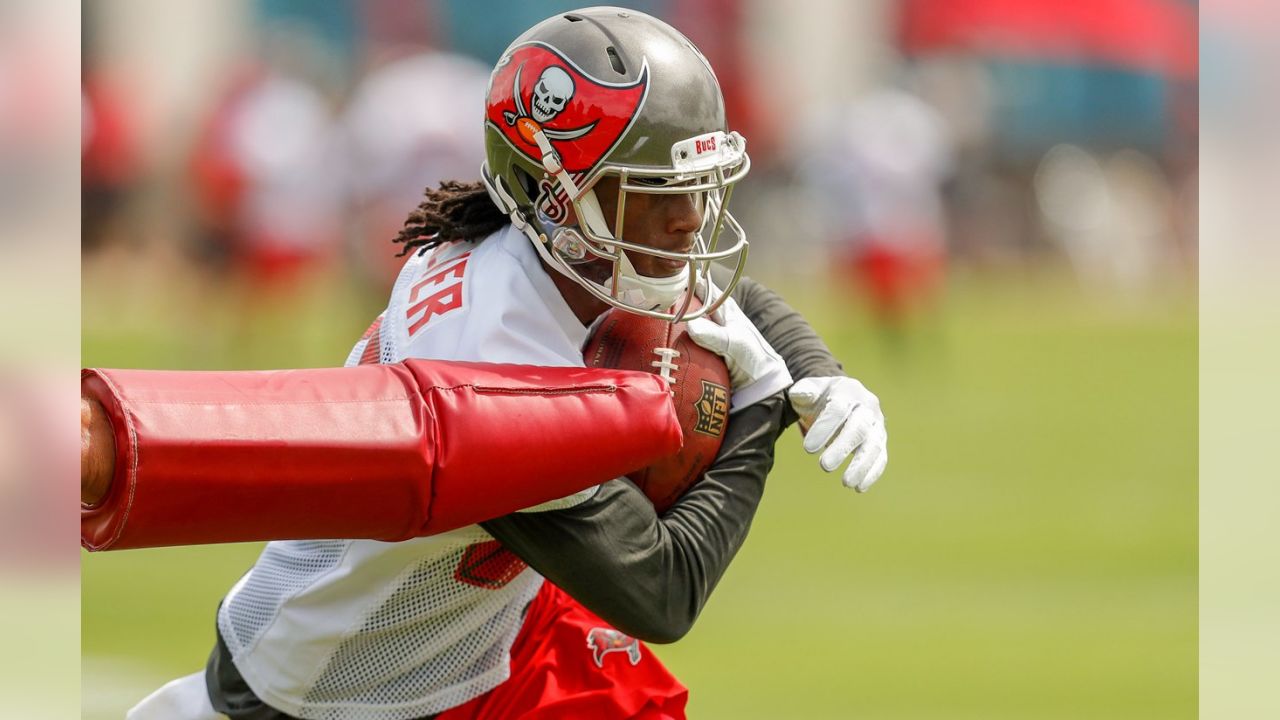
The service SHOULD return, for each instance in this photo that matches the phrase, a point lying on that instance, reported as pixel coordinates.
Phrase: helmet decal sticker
(553, 90)
(536, 88)
(553, 201)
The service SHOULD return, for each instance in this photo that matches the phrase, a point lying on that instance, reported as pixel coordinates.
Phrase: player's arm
(800, 346)
(650, 576)
(840, 417)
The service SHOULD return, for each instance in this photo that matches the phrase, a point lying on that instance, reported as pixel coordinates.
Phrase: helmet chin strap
(634, 291)
(649, 293)
(500, 197)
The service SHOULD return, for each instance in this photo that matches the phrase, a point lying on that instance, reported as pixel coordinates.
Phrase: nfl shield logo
(713, 409)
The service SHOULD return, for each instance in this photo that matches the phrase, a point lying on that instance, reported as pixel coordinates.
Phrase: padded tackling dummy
(380, 452)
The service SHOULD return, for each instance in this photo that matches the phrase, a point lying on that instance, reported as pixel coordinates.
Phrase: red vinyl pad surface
(384, 452)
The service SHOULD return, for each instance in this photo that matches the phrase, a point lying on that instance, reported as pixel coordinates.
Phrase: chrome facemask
(707, 166)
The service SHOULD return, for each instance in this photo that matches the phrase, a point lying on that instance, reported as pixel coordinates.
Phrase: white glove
(755, 369)
(842, 416)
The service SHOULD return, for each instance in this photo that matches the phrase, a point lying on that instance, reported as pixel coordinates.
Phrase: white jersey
(364, 630)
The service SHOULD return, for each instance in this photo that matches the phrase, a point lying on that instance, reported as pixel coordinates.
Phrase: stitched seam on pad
(557, 389)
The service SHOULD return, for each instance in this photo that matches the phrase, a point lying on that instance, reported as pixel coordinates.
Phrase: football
(699, 382)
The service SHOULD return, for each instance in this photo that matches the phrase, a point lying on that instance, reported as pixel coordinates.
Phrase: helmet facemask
(596, 258)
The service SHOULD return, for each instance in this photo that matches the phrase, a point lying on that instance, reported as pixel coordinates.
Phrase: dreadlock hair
(454, 211)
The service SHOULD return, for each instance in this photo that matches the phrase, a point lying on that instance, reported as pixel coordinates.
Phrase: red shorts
(568, 663)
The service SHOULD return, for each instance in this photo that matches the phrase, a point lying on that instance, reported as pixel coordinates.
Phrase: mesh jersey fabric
(366, 630)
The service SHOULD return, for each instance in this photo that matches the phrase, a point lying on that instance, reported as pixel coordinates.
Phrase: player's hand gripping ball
(699, 381)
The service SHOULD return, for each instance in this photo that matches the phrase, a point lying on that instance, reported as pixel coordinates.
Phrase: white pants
(186, 698)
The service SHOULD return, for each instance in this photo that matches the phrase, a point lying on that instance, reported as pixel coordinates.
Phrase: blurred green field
(1030, 552)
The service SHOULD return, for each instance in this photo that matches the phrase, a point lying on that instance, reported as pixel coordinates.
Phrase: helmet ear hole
(614, 61)
(527, 183)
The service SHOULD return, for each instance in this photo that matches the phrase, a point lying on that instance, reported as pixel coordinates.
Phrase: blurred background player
(110, 164)
(878, 168)
(266, 182)
(409, 125)
(268, 199)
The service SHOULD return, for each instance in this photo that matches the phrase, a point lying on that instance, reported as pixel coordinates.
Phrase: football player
(607, 179)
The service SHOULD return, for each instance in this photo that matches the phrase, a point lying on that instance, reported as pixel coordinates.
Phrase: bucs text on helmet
(612, 93)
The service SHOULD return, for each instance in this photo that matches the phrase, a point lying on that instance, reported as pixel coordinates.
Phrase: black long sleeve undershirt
(650, 576)
(804, 352)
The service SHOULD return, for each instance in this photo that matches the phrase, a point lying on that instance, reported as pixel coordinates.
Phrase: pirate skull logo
(551, 93)
(544, 105)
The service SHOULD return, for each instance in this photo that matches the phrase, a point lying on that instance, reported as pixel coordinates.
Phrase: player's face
(664, 222)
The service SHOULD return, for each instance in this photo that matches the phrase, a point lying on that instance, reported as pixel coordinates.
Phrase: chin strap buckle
(569, 243)
(551, 162)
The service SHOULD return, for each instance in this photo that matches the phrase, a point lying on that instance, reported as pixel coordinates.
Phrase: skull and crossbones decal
(551, 94)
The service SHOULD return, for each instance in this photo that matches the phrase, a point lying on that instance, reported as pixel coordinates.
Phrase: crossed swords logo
(551, 94)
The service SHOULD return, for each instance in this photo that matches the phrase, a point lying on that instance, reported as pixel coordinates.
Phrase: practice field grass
(1030, 552)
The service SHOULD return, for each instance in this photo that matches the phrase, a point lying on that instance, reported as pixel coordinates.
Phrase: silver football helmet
(612, 93)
